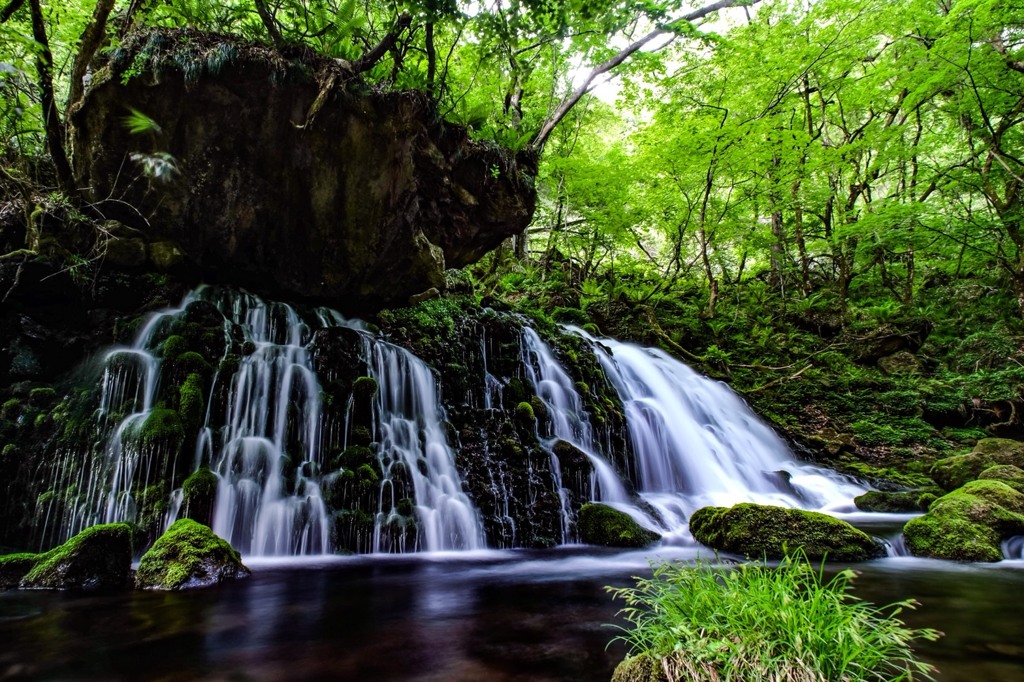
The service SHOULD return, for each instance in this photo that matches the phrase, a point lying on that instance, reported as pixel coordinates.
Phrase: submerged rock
(289, 167)
(188, 555)
(968, 524)
(953, 472)
(600, 524)
(762, 531)
(98, 557)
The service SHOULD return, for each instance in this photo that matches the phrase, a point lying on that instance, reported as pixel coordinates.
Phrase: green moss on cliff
(191, 404)
(98, 557)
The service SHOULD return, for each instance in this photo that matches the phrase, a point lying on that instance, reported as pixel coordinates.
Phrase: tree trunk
(51, 117)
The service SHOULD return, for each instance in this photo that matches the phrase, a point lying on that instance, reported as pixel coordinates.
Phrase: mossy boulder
(763, 531)
(899, 501)
(640, 668)
(191, 403)
(953, 472)
(968, 524)
(187, 556)
(199, 492)
(599, 524)
(163, 425)
(98, 557)
(1007, 473)
(14, 567)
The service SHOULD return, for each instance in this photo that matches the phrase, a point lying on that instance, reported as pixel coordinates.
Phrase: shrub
(756, 623)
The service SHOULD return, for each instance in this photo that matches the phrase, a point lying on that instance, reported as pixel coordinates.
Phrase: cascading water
(409, 425)
(268, 441)
(694, 441)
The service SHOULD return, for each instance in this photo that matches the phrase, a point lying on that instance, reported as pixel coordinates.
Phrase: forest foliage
(751, 172)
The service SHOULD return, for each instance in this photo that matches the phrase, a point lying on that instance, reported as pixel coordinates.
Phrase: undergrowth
(755, 623)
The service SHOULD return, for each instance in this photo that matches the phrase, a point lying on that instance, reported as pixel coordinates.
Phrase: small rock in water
(187, 556)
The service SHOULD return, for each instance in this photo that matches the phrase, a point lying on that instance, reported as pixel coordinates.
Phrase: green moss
(14, 567)
(540, 410)
(191, 404)
(8, 451)
(162, 425)
(883, 476)
(599, 524)
(367, 477)
(365, 387)
(899, 501)
(200, 485)
(1007, 473)
(98, 557)
(968, 524)
(10, 409)
(953, 472)
(762, 531)
(188, 555)
(173, 346)
(41, 397)
(524, 413)
(191, 362)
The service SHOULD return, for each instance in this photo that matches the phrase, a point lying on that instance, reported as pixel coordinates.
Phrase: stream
(493, 615)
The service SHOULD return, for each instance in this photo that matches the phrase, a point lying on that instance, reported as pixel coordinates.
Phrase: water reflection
(497, 616)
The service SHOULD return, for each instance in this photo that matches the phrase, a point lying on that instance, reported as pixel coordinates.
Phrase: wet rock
(953, 472)
(968, 524)
(98, 557)
(430, 293)
(762, 531)
(14, 567)
(188, 556)
(599, 524)
(640, 668)
(166, 256)
(199, 493)
(899, 501)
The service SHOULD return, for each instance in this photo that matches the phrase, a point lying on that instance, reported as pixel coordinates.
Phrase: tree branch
(51, 117)
(541, 138)
(12, 7)
(269, 23)
(92, 38)
(370, 59)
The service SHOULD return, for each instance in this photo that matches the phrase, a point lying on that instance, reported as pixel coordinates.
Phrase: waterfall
(411, 432)
(694, 441)
(269, 439)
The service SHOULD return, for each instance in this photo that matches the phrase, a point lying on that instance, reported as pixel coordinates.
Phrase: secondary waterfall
(694, 442)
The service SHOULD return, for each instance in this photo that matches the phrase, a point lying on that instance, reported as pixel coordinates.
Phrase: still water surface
(492, 616)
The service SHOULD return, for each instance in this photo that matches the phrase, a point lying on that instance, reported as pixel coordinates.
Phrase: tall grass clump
(755, 623)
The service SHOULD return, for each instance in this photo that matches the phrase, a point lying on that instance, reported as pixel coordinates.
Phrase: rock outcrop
(187, 556)
(290, 172)
(767, 532)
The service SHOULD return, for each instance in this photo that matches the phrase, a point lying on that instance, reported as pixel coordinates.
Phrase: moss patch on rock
(98, 557)
(599, 524)
(762, 531)
(896, 501)
(1007, 473)
(953, 472)
(188, 555)
(14, 567)
(968, 524)
(640, 668)
(163, 425)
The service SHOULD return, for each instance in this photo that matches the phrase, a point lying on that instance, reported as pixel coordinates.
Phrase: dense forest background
(818, 201)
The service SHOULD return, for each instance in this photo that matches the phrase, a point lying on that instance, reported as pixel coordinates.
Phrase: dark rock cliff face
(292, 175)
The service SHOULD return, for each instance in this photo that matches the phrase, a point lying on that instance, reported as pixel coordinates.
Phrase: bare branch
(12, 7)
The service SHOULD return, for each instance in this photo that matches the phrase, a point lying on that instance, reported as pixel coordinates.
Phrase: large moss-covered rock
(599, 524)
(953, 472)
(762, 531)
(293, 170)
(98, 557)
(188, 555)
(968, 524)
